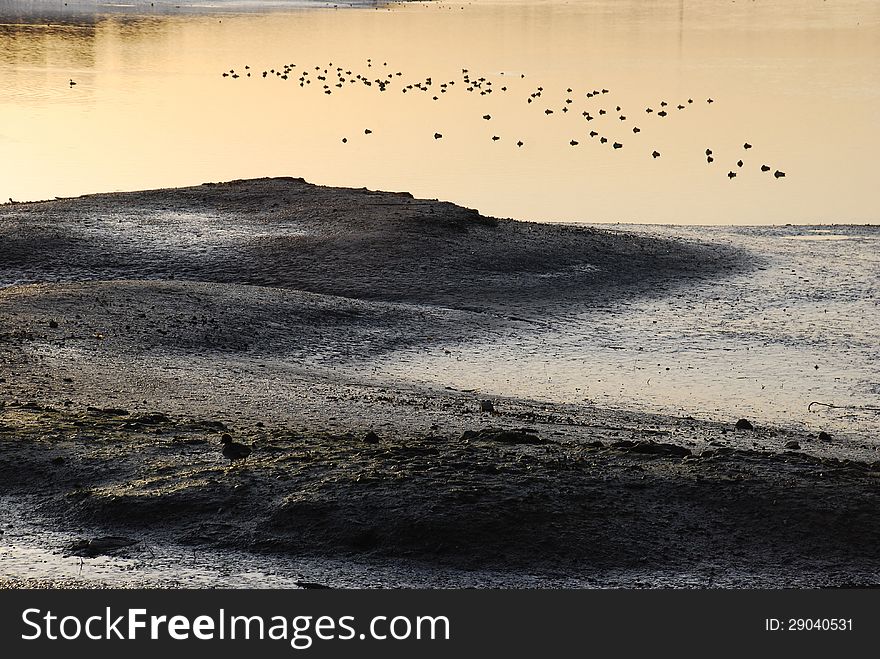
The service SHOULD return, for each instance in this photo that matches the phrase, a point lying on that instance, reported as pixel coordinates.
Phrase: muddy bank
(554, 497)
(136, 329)
(377, 246)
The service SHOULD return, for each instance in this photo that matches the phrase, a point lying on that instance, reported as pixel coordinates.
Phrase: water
(797, 79)
(764, 345)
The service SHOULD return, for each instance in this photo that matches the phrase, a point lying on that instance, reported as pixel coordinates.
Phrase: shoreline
(179, 315)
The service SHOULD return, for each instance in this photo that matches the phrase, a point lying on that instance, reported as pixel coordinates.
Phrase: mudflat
(136, 329)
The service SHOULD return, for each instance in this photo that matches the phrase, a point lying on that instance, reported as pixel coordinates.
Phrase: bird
(655, 154)
(778, 174)
(593, 133)
(603, 139)
(708, 152)
(344, 140)
(765, 168)
(636, 129)
(495, 138)
(367, 131)
(662, 113)
(739, 163)
(520, 142)
(747, 146)
(487, 117)
(617, 145)
(574, 142)
(72, 83)
(710, 159)
(437, 136)
(233, 450)
(731, 174)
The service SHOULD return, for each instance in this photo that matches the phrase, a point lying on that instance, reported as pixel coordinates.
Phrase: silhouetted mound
(286, 233)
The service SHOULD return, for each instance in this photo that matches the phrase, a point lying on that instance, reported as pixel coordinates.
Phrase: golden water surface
(799, 80)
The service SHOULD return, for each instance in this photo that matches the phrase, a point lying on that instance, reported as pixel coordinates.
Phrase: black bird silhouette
(731, 174)
(487, 117)
(747, 146)
(344, 140)
(593, 133)
(233, 450)
(548, 111)
(708, 152)
(437, 136)
(520, 143)
(648, 110)
(367, 131)
(603, 139)
(617, 145)
(710, 159)
(765, 168)
(778, 174)
(655, 154)
(636, 129)
(574, 142)
(709, 100)
(739, 163)
(662, 113)
(495, 138)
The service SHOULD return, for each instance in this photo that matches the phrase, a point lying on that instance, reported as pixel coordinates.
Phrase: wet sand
(140, 327)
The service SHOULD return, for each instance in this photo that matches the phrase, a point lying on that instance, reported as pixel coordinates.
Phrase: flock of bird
(331, 79)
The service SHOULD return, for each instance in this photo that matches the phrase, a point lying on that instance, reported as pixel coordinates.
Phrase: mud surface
(137, 329)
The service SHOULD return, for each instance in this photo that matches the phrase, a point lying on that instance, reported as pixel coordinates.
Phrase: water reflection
(798, 80)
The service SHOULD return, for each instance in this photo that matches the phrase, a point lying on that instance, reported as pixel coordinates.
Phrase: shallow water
(764, 345)
(797, 79)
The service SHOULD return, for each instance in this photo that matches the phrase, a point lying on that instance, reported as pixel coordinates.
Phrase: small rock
(371, 438)
(487, 406)
(792, 444)
(515, 436)
(655, 448)
(824, 436)
(744, 424)
(151, 418)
